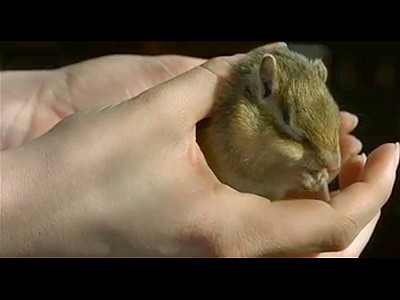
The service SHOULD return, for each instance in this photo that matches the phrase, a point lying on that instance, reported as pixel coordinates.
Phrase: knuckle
(212, 228)
(221, 67)
(343, 234)
(202, 235)
(215, 60)
(202, 230)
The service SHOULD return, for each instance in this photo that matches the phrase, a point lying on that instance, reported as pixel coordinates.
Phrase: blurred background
(364, 77)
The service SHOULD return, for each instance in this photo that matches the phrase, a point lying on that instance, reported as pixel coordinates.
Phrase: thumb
(254, 226)
(191, 95)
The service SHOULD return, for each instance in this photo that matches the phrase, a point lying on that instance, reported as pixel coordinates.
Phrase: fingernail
(357, 158)
(355, 121)
(357, 148)
(353, 117)
(360, 145)
(397, 145)
(363, 158)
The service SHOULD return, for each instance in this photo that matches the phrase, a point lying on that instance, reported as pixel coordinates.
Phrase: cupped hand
(129, 179)
(34, 101)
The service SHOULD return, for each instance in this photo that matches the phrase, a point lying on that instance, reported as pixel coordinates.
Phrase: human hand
(351, 170)
(130, 180)
(34, 101)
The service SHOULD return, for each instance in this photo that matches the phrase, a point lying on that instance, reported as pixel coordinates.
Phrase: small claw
(323, 193)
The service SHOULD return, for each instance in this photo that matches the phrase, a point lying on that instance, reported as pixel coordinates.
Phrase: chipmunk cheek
(295, 152)
(331, 160)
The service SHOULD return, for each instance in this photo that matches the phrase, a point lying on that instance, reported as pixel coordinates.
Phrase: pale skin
(130, 180)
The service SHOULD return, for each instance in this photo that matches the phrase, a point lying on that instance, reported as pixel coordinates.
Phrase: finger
(277, 229)
(357, 246)
(191, 96)
(359, 203)
(355, 249)
(349, 146)
(297, 227)
(188, 98)
(348, 122)
(351, 170)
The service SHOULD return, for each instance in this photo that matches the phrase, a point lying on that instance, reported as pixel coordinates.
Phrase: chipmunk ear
(321, 69)
(267, 74)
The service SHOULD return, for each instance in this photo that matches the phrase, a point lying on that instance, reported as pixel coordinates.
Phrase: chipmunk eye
(285, 112)
(286, 115)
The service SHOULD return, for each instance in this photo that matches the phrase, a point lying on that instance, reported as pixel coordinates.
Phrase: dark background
(363, 77)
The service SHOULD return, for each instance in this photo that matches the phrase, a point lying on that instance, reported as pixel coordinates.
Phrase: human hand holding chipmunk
(129, 179)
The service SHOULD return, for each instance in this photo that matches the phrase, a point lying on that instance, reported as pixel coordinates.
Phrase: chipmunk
(275, 126)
